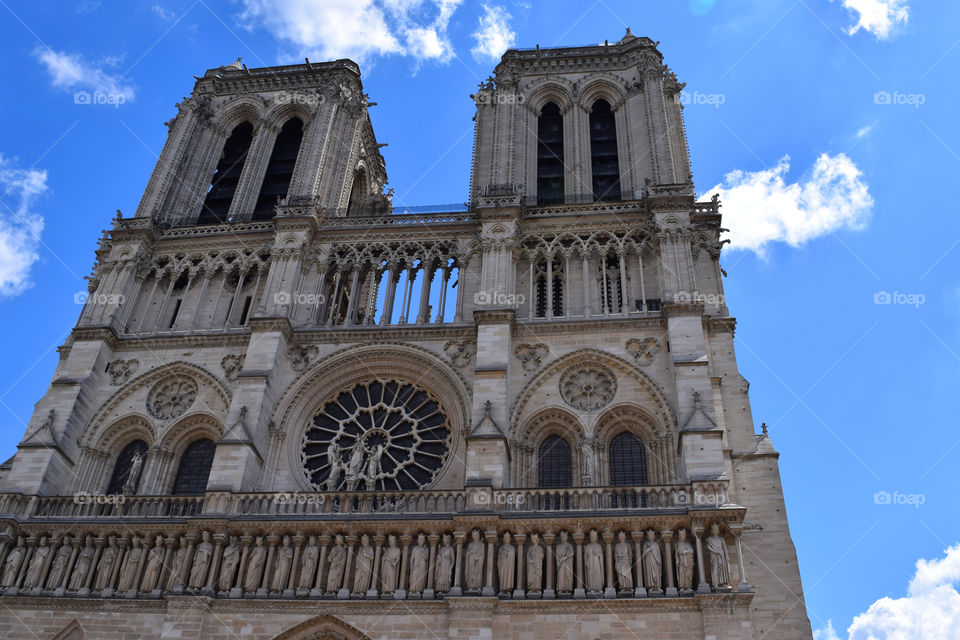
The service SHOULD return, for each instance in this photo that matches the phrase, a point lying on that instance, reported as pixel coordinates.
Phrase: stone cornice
(494, 316)
(534, 328)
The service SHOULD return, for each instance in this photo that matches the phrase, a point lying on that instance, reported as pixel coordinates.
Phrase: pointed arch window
(543, 293)
(194, 469)
(628, 461)
(554, 464)
(276, 181)
(124, 465)
(223, 186)
(358, 192)
(603, 152)
(550, 155)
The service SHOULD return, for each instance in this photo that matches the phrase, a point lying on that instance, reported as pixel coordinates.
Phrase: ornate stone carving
(719, 560)
(390, 565)
(535, 564)
(232, 365)
(623, 562)
(593, 564)
(419, 559)
(564, 554)
(364, 570)
(460, 352)
(473, 567)
(338, 558)
(107, 560)
(445, 561)
(588, 387)
(121, 370)
(171, 398)
(684, 561)
(154, 566)
(383, 434)
(251, 581)
(652, 563)
(281, 572)
(12, 564)
(84, 561)
(506, 564)
(228, 565)
(301, 355)
(531, 355)
(643, 350)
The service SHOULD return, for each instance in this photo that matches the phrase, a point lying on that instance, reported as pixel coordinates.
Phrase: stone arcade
(292, 410)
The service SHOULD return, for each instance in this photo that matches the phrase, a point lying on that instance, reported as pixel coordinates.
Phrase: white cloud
(864, 131)
(879, 17)
(827, 633)
(761, 207)
(20, 227)
(930, 611)
(356, 29)
(494, 35)
(72, 73)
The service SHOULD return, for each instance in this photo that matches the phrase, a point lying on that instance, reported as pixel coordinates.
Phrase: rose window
(171, 398)
(588, 388)
(384, 435)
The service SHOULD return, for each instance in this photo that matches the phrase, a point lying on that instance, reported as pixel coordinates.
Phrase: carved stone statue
(79, 576)
(40, 554)
(364, 571)
(684, 552)
(154, 566)
(719, 560)
(59, 565)
(12, 564)
(284, 562)
(176, 567)
(652, 562)
(446, 557)
(228, 565)
(308, 568)
(473, 568)
(373, 466)
(564, 553)
(336, 466)
(593, 563)
(130, 486)
(105, 567)
(535, 564)
(586, 454)
(258, 555)
(419, 565)
(506, 564)
(338, 558)
(201, 562)
(390, 565)
(129, 572)
(623, 562)
(354, 465)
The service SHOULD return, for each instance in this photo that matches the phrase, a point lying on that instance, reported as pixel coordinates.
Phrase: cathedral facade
(291, 409)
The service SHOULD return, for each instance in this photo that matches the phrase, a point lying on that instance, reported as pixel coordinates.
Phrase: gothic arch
(277, 114)
(557, 90)
(658, 441)
(550, 421)
(122, 432)
(247, 108)
(657, 404)
(213, 398)
(601, 86)
(185, 430)
(357, 364)
(323, 627)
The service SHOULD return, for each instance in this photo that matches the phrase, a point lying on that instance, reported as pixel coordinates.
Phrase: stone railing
(290, 504)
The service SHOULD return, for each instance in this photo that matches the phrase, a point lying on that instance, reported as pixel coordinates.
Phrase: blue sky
(827, 126)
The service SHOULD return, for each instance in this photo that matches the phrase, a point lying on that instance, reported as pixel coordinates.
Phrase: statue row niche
(365, 567)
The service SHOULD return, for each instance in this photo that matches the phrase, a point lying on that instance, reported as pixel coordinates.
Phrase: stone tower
(286, 401)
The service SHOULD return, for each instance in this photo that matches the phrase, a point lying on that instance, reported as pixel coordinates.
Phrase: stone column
(579, 592)
(491, 538)
(268, 568)
(187, 563)
(742, 585)
(375, 575)
(456, 589)
(401, 591)
(611, 590)
(121, 554)
(549, 586)
(638, 589)
(702, 586)
(245, 542)
(98, 544)
(289, 592)
(667, 537)
(344, 593)
(61, 588)
(428, 593)
(519, 586)
(219, 540)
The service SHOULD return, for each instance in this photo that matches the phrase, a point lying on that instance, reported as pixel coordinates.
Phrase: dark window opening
(613, 285)
(540, 289)
(550, 155)
(176, 312)
(603, 152)
(358, 193)
(554, 467)
(246, 309)
(628, 461)
(216, 206)
(123, 466)
(194, 468)
(276, 181)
